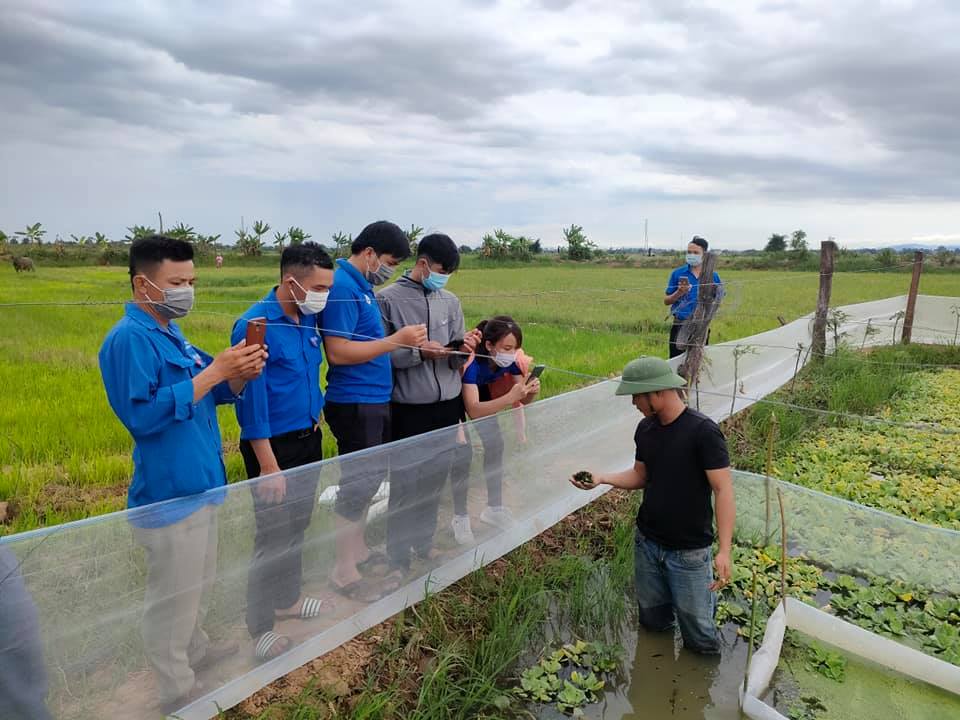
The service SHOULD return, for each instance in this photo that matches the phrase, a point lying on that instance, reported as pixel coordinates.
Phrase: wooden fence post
(818, 348)
(912, 297)
(707, 298)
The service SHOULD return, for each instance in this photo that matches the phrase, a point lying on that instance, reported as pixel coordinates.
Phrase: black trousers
(489, 431)
(358, 426)
(276, 572)
(23, 674)
(418, 472)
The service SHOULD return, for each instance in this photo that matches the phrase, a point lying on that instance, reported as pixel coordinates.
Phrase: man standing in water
(681, 460)
(682, 290)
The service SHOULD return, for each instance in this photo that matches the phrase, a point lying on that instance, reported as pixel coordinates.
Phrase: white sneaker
(461, 530)
(499, 517)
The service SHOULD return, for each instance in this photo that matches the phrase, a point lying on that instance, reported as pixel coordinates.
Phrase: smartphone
(536, 372)
(256, 331)
(454, 344)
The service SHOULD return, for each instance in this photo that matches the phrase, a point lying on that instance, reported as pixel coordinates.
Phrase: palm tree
(279, 239)
(100, 239)
(81, 239)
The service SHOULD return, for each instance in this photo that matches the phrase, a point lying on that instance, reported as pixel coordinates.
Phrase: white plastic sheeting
(87, 579)
(842, 635)
(768, 360)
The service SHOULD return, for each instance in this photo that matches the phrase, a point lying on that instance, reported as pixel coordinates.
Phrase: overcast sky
(727, 119)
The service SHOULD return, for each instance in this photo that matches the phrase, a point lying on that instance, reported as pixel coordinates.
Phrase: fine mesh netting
(80, 587)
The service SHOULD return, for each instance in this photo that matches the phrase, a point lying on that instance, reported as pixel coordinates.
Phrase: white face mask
(504, 359)
(694, 259)
(314, 302)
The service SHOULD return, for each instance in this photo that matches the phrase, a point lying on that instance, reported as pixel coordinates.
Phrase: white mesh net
(79, 589)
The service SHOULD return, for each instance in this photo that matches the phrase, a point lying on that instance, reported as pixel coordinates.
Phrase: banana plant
(33, 235)
(182, 232)
(297, 235)
(138, 231)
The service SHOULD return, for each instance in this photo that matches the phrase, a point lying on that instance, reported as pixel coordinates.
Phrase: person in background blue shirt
(359, 387)
(165, 392)
(279, 417)
(682, 290)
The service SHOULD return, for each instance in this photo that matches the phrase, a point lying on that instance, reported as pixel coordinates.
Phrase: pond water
(664, 681)
(661, 680)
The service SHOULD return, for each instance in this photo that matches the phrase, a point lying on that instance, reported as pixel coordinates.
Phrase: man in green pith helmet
(681, 460)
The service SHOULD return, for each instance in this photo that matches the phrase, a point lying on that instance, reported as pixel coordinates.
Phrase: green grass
(446, 657)
(63, 454)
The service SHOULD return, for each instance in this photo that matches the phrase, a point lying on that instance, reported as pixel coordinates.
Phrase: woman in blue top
(496, 358)
(682, 290)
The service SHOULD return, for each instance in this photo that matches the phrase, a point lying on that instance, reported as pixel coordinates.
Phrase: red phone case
(256, 331)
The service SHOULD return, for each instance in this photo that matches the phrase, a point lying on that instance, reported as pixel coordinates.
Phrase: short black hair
(440, 249)
(305, 256)
(148, 252)
(386, 238)
(697, 240)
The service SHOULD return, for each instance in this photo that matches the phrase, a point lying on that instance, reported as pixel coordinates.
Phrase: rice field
(63, 454)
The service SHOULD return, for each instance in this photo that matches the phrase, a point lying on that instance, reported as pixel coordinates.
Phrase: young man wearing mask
(426, 394)
(279, 418)
(682, 290)
(681, 461)
(359, 387)
(165, 391)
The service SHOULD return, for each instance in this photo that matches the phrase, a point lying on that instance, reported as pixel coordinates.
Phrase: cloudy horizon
(732, 120)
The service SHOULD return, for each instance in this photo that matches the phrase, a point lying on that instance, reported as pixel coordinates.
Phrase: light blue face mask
(694, 259)
(435, 281)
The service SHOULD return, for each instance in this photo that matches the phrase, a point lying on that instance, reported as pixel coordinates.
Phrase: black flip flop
(375, 559)
(366, 590)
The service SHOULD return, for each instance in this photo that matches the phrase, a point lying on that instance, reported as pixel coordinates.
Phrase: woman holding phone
(498, 362)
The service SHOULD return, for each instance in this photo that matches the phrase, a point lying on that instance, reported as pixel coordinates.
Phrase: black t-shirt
(677, 511)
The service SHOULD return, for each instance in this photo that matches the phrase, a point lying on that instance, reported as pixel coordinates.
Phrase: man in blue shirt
(165, 393)
(279, 417)
(359, 387)
(682, 291)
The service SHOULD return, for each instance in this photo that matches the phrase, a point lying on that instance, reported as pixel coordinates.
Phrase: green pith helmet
(648, 374)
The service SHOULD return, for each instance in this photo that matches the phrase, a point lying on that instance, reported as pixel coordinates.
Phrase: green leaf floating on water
(826, 662)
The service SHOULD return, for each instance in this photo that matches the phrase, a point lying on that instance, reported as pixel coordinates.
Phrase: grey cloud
(884, 71)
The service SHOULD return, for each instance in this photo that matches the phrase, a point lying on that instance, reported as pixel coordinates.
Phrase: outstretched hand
(583, 480)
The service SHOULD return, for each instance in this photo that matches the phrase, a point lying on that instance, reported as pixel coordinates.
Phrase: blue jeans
(673, 586)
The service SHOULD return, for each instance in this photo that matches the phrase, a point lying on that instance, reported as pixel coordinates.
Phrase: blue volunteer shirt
(684, 307)
(286, 396)
(352, 312)
(480, 373)
(148, 374)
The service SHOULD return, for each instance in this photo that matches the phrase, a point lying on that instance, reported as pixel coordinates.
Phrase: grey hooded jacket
(417, 381)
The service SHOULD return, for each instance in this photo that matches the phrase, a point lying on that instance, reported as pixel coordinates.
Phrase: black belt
(296, 434)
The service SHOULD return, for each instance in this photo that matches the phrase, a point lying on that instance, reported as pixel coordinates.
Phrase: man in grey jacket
(426, 395)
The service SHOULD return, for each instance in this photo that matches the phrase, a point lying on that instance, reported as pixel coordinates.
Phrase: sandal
(366, 590)
(310, 608)
(266, 648)
(375, 559)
